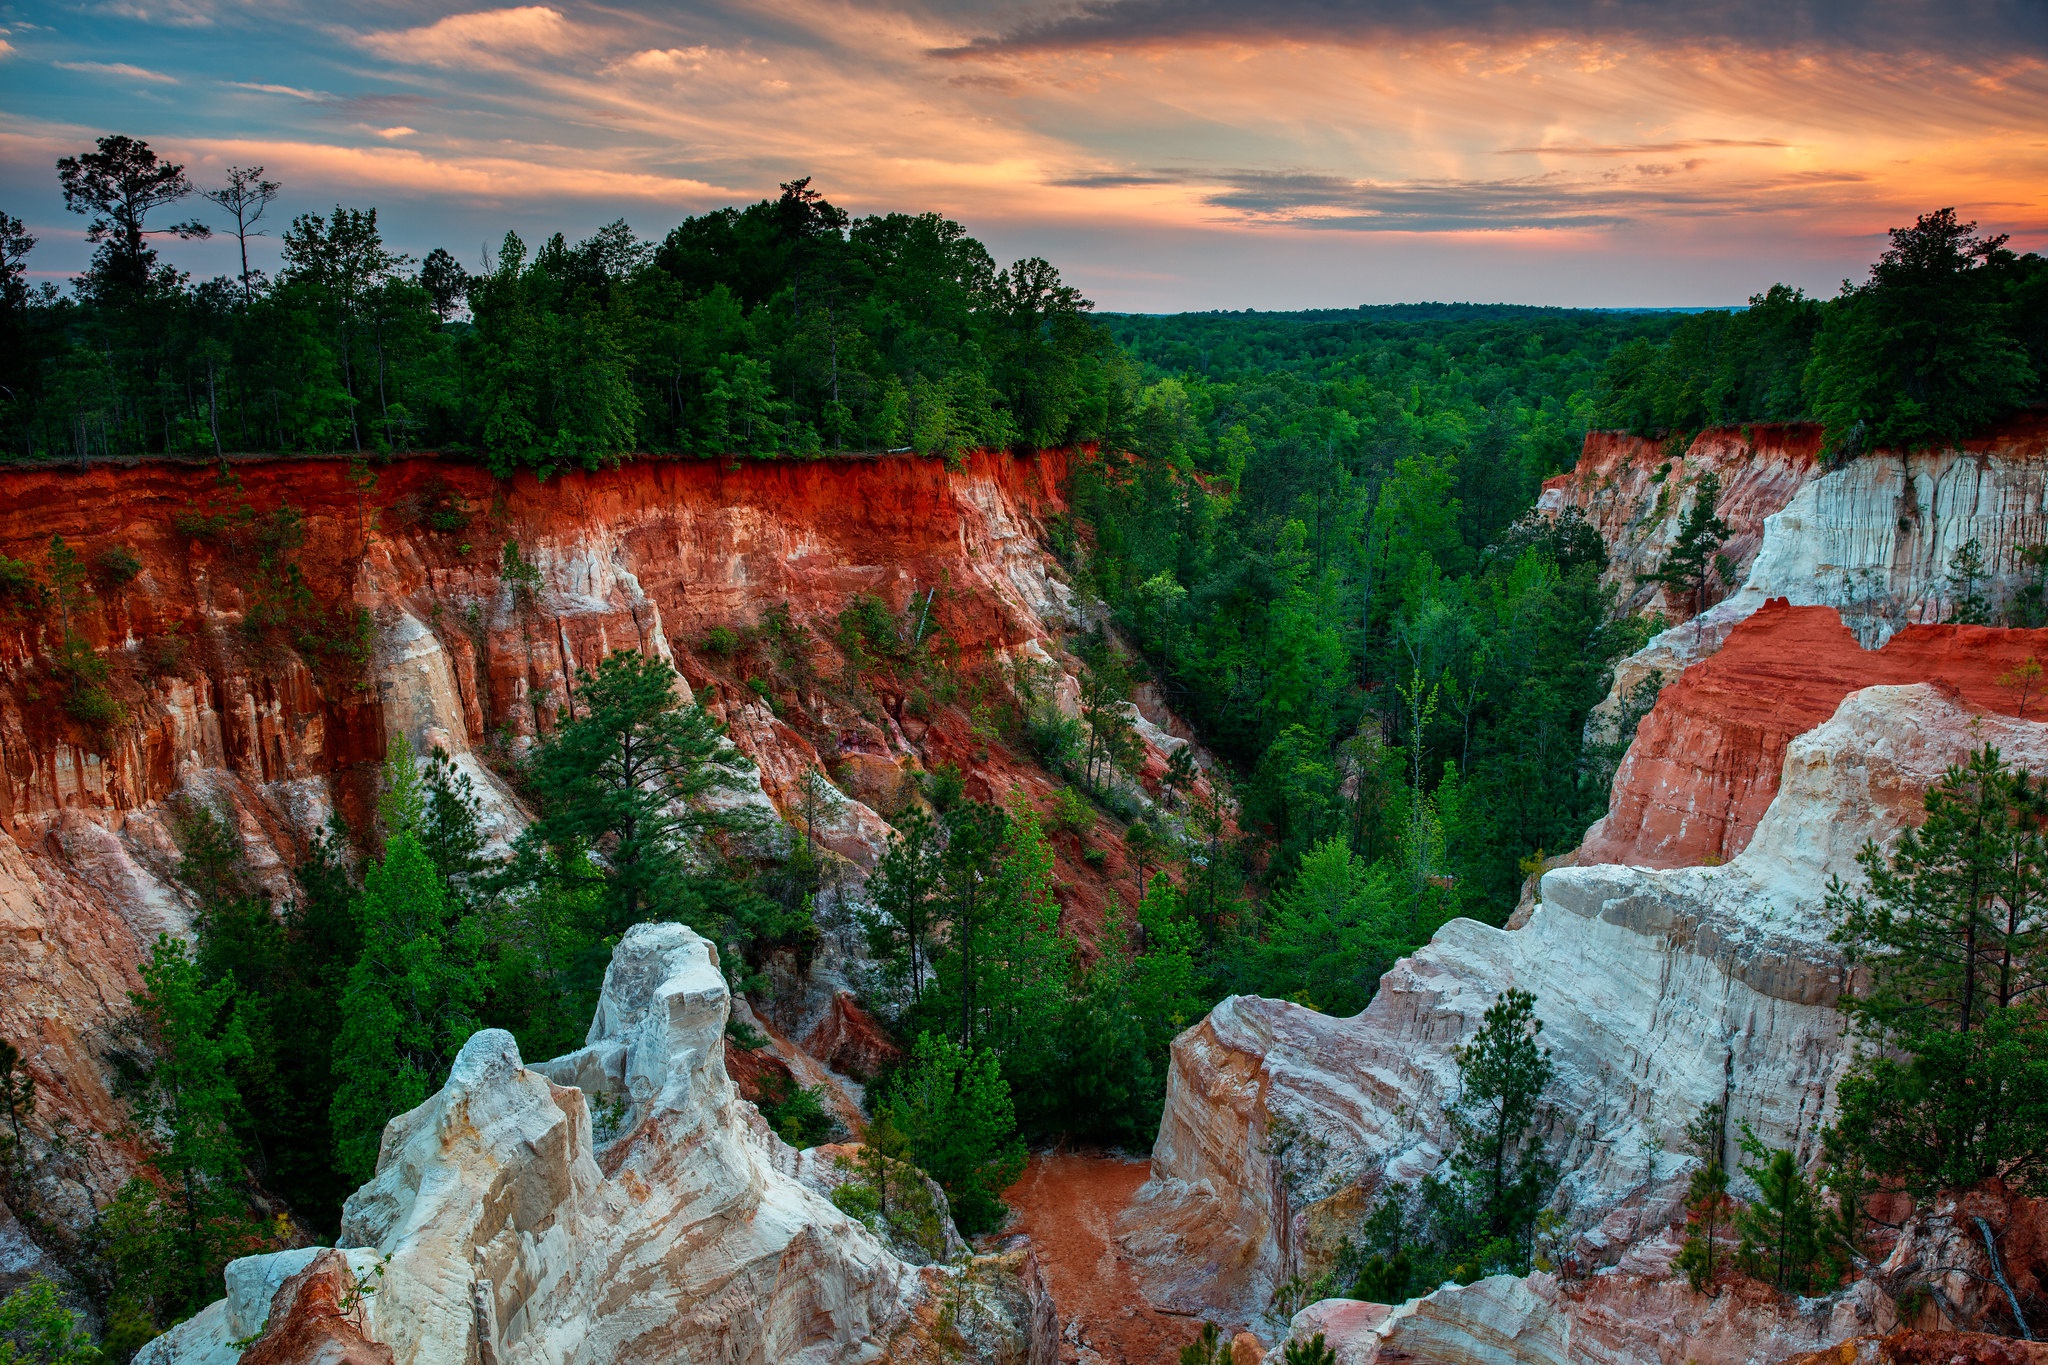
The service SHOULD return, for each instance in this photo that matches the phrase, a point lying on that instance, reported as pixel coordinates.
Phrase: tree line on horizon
(1948, 334)
(783, 327)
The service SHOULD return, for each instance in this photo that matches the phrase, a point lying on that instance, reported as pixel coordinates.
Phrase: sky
(1166, 154)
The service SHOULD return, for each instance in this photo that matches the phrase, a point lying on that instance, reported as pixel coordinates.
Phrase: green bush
(20, 589)
(1069, 811)
(720, 641)
(115, 567)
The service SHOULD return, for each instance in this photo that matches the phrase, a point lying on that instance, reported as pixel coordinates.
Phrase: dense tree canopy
(781, 327)
(1949, 332)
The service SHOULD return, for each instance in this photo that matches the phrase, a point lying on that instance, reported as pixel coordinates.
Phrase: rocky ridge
(1659, 990)
(501, 1226)
(1872, 538)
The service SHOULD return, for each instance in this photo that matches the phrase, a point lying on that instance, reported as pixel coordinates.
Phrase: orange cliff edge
(1706, 760)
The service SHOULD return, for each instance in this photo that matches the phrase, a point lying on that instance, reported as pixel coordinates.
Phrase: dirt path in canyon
(1067, 1204)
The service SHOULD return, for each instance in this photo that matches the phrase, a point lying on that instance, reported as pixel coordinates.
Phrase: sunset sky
(1208, 154)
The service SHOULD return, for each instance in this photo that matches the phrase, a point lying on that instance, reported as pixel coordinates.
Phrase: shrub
(720, 641)
(795, 1112)
(94, 707)
(20, 589)
(1070, 811)
(1095, 857)
(199, 523)
(944, 786)
(163, 656)
(115, 566)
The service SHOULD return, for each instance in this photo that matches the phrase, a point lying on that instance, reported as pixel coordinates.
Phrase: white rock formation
(1874, 539)
(1610, 1319)
(1658, 990)
(500, 1223)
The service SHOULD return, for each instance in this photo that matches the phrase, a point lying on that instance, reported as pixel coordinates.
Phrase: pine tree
(1707, 1205)
(1310, 1352)
(164, 1241)
(1500, 1177)
(412, 994)
(1966, 575)
(1691, 564)
(1954, 933)
(954, 1107)
(1783, 1228)
(626, 777)
(900, 916)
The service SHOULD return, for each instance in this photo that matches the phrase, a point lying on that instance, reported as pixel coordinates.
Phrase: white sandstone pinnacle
(687, 1239)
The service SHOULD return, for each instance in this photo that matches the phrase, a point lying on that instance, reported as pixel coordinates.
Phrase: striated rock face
(1635, 494)
(1873, 538)
(1706, 761)
(650, 556)
(1659, 991)
(1612, 1319)
(506, 1231)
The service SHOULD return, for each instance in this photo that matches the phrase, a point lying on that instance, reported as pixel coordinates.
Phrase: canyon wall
(278, 730)
(1705, 762)
(1659, 991)
(1873, 538)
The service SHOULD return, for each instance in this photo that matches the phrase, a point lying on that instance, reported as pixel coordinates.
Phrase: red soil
(1067, 1203)
(1707, 760)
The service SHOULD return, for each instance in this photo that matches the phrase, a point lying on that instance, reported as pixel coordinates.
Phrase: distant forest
(782, 327)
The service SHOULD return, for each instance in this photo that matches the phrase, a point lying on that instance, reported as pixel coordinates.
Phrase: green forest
(1313, 532)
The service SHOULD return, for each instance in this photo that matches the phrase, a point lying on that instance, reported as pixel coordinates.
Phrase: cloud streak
(1731, 141)
(1869, 25)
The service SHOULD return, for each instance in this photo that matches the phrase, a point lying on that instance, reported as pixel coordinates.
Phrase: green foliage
(161, 1244)
(1310, 1352)
(20, 590)
(1690, 565)
(1925, 351)
(1784, 1228)
(413, 992)
(1952, 1086)
(889, 1195)
(1941, 339)
(620, 778)
(1070, 812)
(1479, 1214)
(1966, 577)
(37, 1329)
(114, 567)
(782, 327)
(1208, 1348)
(1707, 1205)
(1331, 933)
(953, 1106)
(795, 1112)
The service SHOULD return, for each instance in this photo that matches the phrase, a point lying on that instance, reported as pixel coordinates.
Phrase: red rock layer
(1707, 759)
(313, 1320)
(648, 556)
(1634, 492)
(710, 545)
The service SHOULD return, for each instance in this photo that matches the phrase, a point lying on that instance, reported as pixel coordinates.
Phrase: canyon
(455, 652)
(1680, 955)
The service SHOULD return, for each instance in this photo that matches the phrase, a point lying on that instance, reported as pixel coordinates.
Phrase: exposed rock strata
(1706, 761)
(1873, 538)
(1659, 991)
(650, 556)
(506, 1231)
